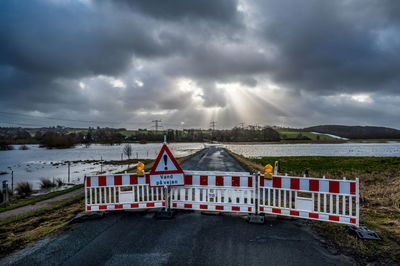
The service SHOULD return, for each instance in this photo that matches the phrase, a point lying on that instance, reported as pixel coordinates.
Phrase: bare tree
(128, 150)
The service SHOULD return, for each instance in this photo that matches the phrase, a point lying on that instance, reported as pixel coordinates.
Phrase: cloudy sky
(125, 63)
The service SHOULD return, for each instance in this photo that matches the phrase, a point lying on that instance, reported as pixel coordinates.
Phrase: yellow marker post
(268, 171)
(140, 169)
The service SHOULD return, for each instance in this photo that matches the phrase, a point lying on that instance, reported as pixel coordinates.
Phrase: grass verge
(379, 201)
(17, 232)
(38, 199)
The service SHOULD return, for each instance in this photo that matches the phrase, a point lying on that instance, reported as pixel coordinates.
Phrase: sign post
(166, 172)
(5, 192)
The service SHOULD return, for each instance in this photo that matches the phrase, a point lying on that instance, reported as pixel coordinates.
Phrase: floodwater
(390, 149)
(36, 163)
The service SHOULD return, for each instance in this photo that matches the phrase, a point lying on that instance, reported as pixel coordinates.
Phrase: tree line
(60, 137)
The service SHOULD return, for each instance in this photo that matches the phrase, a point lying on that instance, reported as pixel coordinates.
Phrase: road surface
(135, 238)
(213, 158)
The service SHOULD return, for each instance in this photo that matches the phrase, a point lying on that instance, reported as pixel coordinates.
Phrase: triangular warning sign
(165, 163)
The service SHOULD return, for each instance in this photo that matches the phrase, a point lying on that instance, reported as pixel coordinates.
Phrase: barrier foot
(255, 218)
(86, 217)
(165, 214)
(363, 232)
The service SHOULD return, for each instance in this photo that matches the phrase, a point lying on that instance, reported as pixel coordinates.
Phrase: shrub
(59, 182)
(46, 183)
(23, 148)
(24, 189)
(53, 140)
(127, 150)
(5, 147)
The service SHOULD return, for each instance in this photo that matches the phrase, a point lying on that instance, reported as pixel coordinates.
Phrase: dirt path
(40, 205)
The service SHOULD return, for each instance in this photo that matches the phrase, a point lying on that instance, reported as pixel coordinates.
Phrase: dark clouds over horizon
(292, 63)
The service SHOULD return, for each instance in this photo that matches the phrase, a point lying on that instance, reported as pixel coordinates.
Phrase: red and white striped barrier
(342, 187)
(215, 191)
(121, 192)
(311, 198)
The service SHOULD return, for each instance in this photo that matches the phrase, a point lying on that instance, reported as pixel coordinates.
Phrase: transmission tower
(212, 124)
(156, 125)
(241, 125)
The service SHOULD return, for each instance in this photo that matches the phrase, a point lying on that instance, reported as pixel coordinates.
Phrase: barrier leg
(166, 212)
(256, 218)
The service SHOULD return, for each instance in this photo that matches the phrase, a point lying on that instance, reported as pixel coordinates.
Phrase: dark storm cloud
(72, 39)
(42, 41)
(121, 60)
(222, 10)
(334, 46)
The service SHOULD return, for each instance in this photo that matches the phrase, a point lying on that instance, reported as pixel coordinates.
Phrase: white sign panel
(160, 180)
(165, 164)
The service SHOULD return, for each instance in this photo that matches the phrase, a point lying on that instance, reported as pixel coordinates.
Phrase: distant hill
(357, 132)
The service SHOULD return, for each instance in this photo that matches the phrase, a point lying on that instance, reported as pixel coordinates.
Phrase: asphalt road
(136, 238)
(213, 158)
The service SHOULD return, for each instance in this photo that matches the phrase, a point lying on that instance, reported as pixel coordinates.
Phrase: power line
(156, 124)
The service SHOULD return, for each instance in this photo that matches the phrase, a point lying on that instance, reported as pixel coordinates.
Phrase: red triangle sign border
(165, 149)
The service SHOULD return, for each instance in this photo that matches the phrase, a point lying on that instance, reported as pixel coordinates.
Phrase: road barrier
(215, 191)
(321, 199)
(310, 198)
(121, 192)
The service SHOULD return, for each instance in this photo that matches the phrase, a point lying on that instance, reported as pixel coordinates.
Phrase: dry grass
(16, 233)
(381, 192)
(379, 211)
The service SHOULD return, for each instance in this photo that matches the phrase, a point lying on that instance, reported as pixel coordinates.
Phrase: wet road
(213, 159)
(135, 238)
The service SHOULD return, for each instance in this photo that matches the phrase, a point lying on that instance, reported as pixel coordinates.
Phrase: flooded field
(344, 149)
(36, 163)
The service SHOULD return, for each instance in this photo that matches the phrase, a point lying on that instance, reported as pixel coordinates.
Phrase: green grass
(294, 134)
(40, 198)
(128, 133)
(77, 131)
(332, 165)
